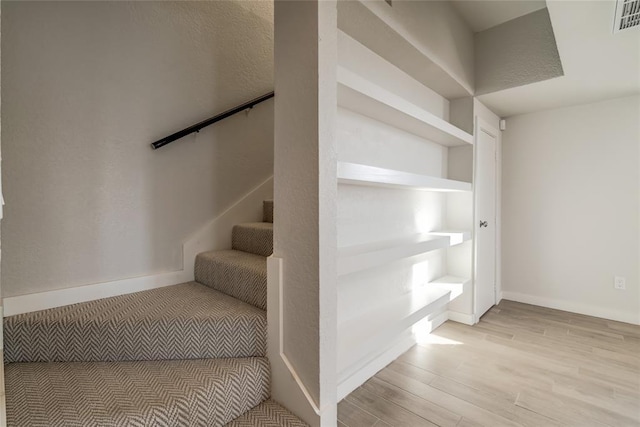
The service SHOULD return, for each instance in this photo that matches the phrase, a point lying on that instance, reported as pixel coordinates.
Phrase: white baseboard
(574, 307)
(466, 319)
(378, 363)
(213, 236)
(60, 297)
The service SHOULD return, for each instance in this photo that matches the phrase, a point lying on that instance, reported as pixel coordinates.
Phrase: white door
(485, 209)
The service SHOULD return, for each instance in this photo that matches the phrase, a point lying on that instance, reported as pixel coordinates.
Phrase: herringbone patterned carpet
(187, 321)
(184, 355)
(255, 238)
(208, 392)
(239, 274)
(267, 414)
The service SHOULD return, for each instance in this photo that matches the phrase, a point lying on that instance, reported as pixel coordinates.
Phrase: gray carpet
(160, 393)
(184, 355)
(255, 238)
(267, 211)
(239, 274)
(187, 321)
(267, 414)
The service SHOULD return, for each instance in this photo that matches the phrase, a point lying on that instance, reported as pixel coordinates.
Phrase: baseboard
(355, 380)
(376, 363)
(213, 236)
(61, 297)
(573, 307)
(466, 319)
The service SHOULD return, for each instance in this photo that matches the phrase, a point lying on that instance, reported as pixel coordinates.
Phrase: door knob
(484, 224)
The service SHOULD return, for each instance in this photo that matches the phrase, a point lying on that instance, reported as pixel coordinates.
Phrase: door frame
(481, 125)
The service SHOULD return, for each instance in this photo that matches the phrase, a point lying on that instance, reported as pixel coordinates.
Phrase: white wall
(426, 39)
(86, 87)
(436, 28)
(571, 208)
(303, 290)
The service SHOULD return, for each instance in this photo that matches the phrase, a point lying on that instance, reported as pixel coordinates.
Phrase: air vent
(627, 15)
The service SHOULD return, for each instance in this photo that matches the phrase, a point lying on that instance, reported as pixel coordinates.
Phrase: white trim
(358, 378)
(465, 319)
(61, 297)
(213, 236)
(286, 385)
(574, 307)
(482, 125)
(379, 361)
(216, 235)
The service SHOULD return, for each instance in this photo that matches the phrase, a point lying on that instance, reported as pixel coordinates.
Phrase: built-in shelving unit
(360, 21)
(362, 335)
(369, 255)
(396, 111)
(366, 98)
(357, 174)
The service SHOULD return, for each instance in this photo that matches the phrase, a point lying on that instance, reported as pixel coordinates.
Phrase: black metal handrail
(196, 128)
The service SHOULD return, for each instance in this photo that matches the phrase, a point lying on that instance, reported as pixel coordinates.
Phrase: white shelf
(356, 174)
(360, 95)
(454, 285)
(388, 40)
(455, 236)
(361, 257)
(365, 334)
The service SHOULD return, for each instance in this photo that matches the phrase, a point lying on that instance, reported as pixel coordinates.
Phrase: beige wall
(571, 208)
(86, 87)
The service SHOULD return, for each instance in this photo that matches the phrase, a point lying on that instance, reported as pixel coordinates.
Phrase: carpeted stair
(191, 354)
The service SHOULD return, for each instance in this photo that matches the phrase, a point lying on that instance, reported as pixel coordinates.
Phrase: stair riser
(258, 241)
(171, 340)
(246, 284)
(267, 211)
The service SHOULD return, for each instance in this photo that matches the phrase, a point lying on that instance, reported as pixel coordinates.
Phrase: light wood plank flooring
(522, 365)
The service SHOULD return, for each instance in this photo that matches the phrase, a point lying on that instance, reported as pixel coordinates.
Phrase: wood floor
(522, 365)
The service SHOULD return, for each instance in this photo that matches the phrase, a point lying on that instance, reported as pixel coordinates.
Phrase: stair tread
(183, 321)
(268, 414)
(236, 273)
(202, 392)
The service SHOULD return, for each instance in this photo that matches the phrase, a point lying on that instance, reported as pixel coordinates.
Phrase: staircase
(191, 354)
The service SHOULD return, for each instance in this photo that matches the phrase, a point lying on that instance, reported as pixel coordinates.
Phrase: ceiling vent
(627, 15)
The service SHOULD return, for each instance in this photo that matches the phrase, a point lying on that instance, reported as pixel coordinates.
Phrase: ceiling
(597, 63)
(484, 14)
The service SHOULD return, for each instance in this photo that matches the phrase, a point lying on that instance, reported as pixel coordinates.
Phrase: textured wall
(86, 87)
(305, 192)
(516, 53)
(571, 207)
